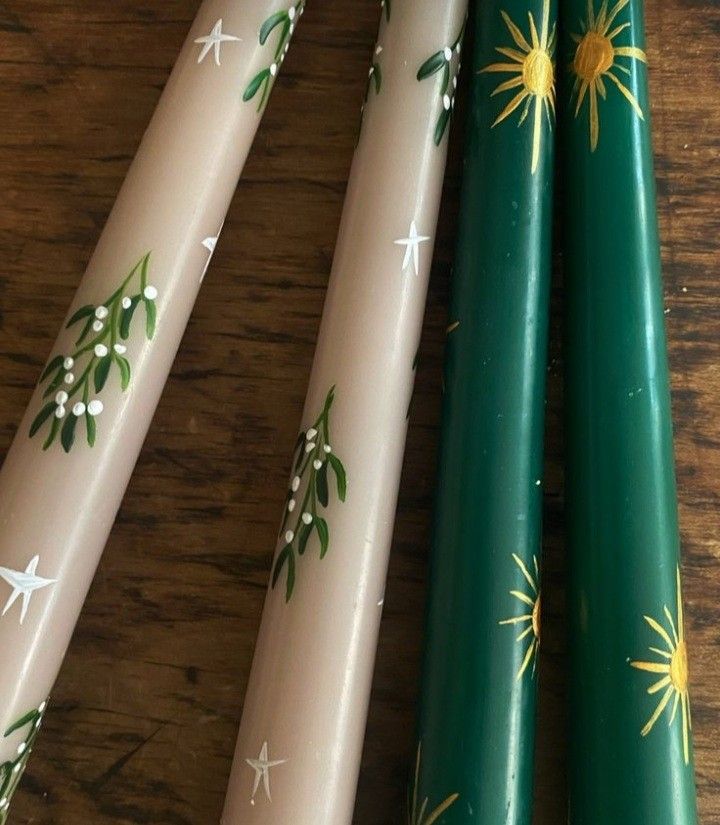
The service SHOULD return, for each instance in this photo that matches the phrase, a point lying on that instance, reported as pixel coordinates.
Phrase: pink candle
(67, 469)
(300, 739)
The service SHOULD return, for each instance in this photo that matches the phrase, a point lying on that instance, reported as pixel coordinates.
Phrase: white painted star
(412, 247)
(24, 583)
(213, 41)
(262, 766)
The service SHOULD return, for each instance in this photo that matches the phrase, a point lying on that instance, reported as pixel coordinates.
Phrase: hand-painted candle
(474, 754)
(67, 469)
(300, 740)
(631, 752)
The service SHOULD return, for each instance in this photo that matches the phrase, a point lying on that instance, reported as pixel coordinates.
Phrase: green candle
(631, 752)
(474, 755)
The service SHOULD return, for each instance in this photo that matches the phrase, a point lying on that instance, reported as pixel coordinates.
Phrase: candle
(474, 757)
(630, 751)
(300, 740)
(67, 469)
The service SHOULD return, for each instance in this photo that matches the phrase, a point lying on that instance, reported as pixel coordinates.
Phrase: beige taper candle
(300, 741)
(67, 469)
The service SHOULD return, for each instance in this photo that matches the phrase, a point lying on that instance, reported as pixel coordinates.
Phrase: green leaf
(272, 21)
(55, 364)
(377, 77)
(150, 318)
(321, 485)
(255, 84)
(323, 535)
(85, 331)
(29, 717)
(303, 537)
(126, 317)
(301, 454)
(91, 428)
(53, 433)
(42, 417)
(83, 312)
(442, 124)
(124, 367)
(340, 475)
(54, 384)
(386, 3)
(282, 40)
(102, 370)
(67, 436)
(285, 555)
(144, 272)
(432, 65)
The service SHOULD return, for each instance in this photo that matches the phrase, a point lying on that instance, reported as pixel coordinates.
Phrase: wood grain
(145, 711)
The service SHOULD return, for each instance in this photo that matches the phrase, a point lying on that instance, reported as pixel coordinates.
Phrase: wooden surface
(145, 712)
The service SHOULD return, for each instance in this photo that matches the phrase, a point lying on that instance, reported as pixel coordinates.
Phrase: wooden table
(145, 712)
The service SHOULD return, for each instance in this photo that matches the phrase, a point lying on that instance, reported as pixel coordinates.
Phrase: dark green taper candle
(630, 735)
(474, 754)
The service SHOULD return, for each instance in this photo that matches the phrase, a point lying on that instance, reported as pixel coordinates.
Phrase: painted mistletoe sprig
(12, 770)
(313, 460)
(447, 61)
(98, 349)
(264, 79)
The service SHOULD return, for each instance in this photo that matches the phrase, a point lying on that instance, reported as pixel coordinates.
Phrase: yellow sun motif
(420, 816)
(673, 671)
(596, 58)
(532, 618)
(534, 68)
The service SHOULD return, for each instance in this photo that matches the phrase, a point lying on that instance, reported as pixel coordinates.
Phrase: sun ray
(614, 13)
(516, 34)
(658, 710)
(419, 817)
(513, 83)
(596, 57)
(526, 660)
(524, 634)
(501, 67)
(521, 564)
(673, 671)
(513, 54)
(533, 32)
(510, 108)
(517, 619)
(526, 110)
(523, 597)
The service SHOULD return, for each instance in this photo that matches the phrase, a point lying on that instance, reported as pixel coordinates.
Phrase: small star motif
(262, 766)
(24, 583)
(213, 41)
(412, 247)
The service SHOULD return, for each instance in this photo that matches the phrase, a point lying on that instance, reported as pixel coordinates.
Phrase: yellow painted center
(536, 618)
(538, 73)
(679, 668)
(594, 56)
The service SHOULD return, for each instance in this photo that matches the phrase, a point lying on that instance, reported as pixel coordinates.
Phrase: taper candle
(630, 751)
(69, 464)
(300, 740)
(474, 758)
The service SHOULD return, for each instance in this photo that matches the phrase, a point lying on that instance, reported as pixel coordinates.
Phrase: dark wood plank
(146, 708)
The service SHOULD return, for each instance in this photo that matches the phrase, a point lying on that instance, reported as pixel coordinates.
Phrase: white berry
(95, 407)
(97, 326)
(120, 349)
(79, 409)
(295, 483)
(447, 53)
(311, 433)
(101, 350)
(69, 378)
(60, 412)
(317, 464)
(68, 363)
(126, 302)
(150, 292)
(446, 102)
(327, 448)
(291, 13)
(291, 505)
(309, 447)
(61, 397)
(101, 312)
(289, 536)
(273, 69)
